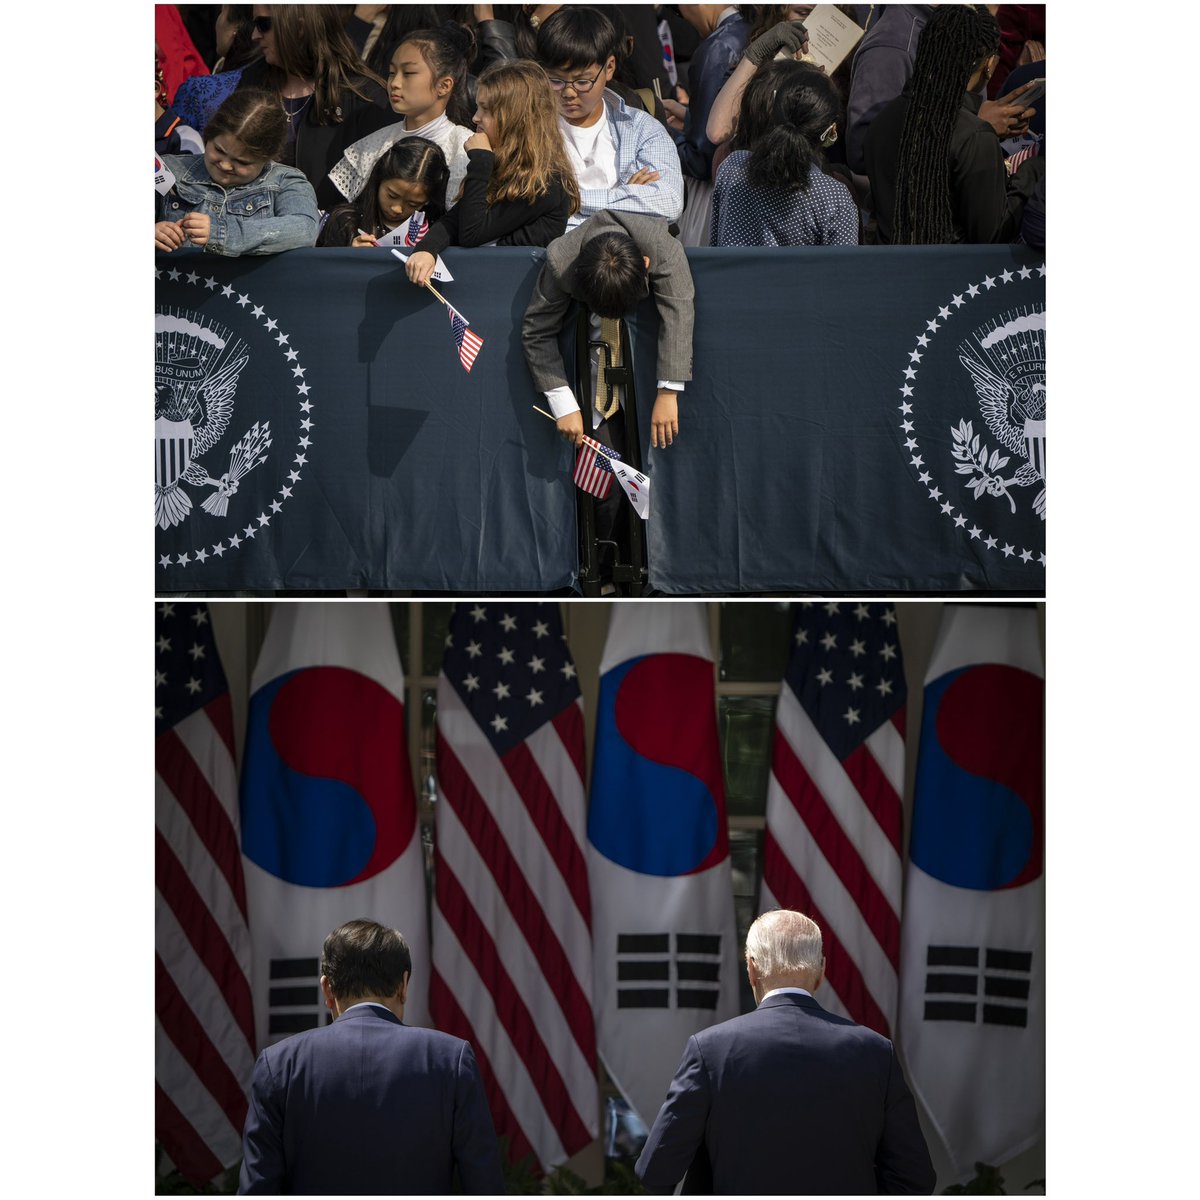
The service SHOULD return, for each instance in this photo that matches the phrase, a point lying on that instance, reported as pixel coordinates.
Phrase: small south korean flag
(164, 180)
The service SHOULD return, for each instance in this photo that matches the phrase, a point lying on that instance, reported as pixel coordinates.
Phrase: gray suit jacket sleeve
(476, 1153)
(670, 284)
(902, 1163)
(677, 1135)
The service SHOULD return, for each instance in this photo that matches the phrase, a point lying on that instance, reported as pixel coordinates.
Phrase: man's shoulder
(758, 1023)
(415, 1036)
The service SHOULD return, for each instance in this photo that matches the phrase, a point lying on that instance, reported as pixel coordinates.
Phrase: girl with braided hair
(937, 170)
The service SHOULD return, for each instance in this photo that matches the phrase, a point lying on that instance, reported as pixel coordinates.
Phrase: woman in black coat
(330, 97)
(937, 171)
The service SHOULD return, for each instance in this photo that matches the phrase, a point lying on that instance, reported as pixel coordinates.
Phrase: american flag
(468, 343)
(512, 940)
(593, 467)
(832, 847)
(204, 1033)
(418, 227)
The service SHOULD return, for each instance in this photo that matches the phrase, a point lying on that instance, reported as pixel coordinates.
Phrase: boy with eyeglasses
(624, 160)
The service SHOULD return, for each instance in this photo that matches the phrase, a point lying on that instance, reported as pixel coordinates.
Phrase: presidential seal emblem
(216, 482)
(986, 471)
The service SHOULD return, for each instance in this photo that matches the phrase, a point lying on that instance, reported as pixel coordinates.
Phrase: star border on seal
(271, 326)
(908, 392)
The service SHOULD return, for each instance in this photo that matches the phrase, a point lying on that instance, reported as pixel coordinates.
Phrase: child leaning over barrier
(234, 199)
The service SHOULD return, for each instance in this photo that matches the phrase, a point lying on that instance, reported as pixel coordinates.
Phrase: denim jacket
(277, 211)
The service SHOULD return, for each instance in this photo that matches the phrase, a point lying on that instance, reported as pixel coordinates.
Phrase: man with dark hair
(624, 159)
(368, 1105)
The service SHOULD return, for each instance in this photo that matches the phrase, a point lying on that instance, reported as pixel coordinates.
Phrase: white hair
(783, 942)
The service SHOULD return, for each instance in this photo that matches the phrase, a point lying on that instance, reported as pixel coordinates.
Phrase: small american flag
(1023, 155)
(593, 468)
(418, 227)
(469, 344)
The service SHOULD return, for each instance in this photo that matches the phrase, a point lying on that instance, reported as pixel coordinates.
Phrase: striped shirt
(641, 142)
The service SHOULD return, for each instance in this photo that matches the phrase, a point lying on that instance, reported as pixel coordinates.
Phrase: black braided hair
(956, 38)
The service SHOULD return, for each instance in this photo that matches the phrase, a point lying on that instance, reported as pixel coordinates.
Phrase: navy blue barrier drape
(860, 420)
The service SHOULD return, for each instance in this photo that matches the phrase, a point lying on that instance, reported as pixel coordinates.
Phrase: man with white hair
(789, 1098)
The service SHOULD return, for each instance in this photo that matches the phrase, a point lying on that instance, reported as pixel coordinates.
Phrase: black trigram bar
(643, 998)
(965, 985)
(952, 956)
(644, 969)
(1000, 1014)
(945, 1010)
(294, 968)
(1009, 960)
(293, 1022)
(698, 943)
(291, 997)
(692, 969)
(1002, 985)
(643, 943)
(695, 998)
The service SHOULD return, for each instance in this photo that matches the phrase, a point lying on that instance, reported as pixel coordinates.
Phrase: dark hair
(364, 958)
(956, 38)
(785, 109)
(447, 50)
(312, 43)
(413, 159)
(577, 37)
(401, 20)
(244, 49)
(610, 275)
(254, 117)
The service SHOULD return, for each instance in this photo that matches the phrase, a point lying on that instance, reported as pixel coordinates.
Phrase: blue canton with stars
(846, 670)
(187, 670)
(511, 667)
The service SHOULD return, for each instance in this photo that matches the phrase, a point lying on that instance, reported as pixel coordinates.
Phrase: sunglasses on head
(262, 24)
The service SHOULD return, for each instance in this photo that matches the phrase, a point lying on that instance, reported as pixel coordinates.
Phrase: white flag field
(972, 991)
(666, 954)
(329, 819)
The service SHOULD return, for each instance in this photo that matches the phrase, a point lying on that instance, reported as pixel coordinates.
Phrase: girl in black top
(520, 188)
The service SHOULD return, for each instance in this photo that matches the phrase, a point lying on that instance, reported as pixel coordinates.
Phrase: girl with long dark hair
(772, 189)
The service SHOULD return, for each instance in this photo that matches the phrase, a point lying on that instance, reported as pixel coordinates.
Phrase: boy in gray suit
(609, 264)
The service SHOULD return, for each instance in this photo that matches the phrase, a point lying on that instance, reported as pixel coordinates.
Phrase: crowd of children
(307, 144)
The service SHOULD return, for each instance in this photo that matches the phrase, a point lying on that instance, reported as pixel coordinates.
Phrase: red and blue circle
(979, 813)
(326, 796)
(658, 792)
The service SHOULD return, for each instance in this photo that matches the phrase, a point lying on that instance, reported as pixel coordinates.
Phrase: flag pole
(441, 297)
(544, 413)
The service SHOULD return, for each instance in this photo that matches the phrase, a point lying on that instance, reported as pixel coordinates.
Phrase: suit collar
(792, 999)
(366, 1011)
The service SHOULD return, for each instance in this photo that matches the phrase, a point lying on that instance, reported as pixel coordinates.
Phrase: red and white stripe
(833, 851)
(588, 473)
(204, 1032)
(512, 942)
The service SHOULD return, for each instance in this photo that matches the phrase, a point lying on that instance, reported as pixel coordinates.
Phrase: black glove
(787, 35)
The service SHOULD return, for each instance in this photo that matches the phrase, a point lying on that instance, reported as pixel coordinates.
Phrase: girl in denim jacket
(235, 200)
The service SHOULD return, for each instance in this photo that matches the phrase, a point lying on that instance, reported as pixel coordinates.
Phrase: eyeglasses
(581, 86)
(262, 24)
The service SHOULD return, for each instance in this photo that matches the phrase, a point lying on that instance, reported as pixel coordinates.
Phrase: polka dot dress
(743, 215)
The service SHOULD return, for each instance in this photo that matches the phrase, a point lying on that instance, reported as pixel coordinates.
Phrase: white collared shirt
(786, 991)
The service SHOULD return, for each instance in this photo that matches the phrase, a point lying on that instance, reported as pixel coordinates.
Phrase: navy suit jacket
(368, 1105)
(788, 1099)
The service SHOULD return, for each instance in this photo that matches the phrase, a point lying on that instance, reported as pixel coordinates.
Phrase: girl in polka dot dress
(772, 190)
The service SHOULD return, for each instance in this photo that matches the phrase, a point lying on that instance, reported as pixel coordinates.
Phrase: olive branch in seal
(972, 458)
